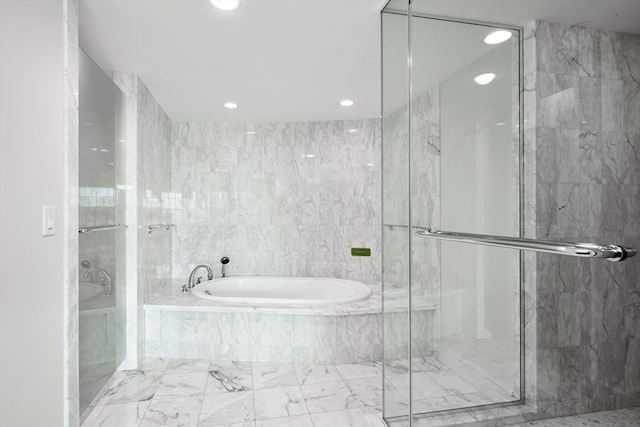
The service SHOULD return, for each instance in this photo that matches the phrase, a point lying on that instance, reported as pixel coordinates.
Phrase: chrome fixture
(106, 275)
(224, 260)
(153, 227)
(584, 250)
(101, 228)
(190, 283)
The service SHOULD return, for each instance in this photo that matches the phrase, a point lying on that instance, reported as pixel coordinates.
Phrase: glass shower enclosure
(451, 161)
(102, 252)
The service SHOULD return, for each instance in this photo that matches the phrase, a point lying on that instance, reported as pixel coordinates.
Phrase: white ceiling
(285, 59)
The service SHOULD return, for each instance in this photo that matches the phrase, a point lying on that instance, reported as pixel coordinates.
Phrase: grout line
(304, 398)
(156, 390)
(253, 394)
(204, 392)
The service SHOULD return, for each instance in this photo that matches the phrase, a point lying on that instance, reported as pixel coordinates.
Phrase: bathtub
(267, 319)
(257, 290)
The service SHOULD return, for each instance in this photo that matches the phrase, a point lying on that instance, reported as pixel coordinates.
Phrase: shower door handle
(584, 250)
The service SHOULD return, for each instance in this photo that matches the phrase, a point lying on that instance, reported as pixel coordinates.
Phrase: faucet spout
(190, 283)
(224, 260)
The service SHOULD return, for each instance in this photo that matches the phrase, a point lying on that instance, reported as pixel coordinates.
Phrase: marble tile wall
(153, 185)
(286, 199)
(154, 188)
(583, 136)
(425, 212)
(263, 337)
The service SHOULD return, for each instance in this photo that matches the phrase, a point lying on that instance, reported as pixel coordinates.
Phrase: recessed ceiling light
(346, 103)
(225, 4)
(94, 149)
(352, 130)
(250, 132)
(369, 164)
(500, 124)
(104, 150)
(484, 79)
(230, 105)
(498, 37)
(308, 155)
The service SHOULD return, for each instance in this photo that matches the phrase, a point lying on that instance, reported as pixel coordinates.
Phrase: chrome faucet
(224, 260)
(190, 283)
(106, 275)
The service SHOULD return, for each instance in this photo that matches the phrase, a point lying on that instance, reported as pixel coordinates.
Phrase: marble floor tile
(153, 366)
(244, 424)
(228, 381)
(360, 370)
(182, 385)
(231, 365)
(621, 418)
(187, 366)
(451, 382)
(181, 411)
(132, 387)
(227, 408)
(297, 421)
(424, 386)
(345, 418)
(443, 403)
(117, 415)
(273, 375)
(366, 391)
(332, 396)
(314, 374)
(426, 364)
(373, 416)
(279, 402)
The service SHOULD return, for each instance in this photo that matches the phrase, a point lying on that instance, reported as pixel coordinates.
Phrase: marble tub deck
(183, 326)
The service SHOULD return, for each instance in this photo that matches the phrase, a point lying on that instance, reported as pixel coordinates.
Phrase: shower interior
(451, 161)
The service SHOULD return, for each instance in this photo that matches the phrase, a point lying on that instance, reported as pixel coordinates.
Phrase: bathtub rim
(290, 302)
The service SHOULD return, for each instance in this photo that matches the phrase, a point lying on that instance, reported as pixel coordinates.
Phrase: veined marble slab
(175, 300)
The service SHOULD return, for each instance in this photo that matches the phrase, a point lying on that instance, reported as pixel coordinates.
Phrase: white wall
(32, 333)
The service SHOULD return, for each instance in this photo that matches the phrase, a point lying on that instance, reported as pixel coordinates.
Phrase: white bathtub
(257, 290)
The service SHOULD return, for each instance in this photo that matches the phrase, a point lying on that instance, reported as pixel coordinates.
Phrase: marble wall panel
(286, 199)
(585, 172)
(154, 192)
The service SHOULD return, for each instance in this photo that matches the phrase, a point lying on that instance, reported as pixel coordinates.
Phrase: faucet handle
(198, 280)
(224, 260)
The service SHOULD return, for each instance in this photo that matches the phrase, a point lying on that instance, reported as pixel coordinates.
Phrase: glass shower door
(465, 157)
(458, 163)
(102, 251)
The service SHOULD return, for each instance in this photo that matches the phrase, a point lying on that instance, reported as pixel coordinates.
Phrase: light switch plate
(48, 220)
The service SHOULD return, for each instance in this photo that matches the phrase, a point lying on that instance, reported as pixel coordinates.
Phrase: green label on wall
(360, 252)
